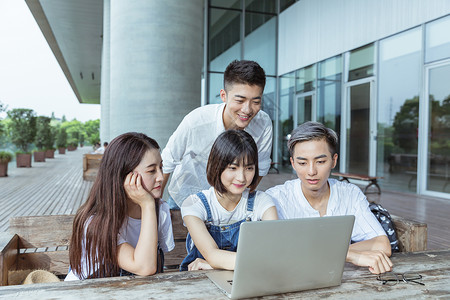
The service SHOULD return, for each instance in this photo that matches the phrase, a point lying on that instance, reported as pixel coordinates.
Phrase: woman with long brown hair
(123, 225)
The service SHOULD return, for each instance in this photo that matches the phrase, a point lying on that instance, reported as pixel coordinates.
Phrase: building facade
(376, 71)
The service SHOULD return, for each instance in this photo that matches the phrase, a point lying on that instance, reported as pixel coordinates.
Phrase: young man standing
(186, 153)
(313, 148)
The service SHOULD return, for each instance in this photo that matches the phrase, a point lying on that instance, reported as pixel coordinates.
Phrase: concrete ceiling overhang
(73, 30)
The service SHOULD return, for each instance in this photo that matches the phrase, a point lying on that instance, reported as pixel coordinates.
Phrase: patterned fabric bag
(385, 220)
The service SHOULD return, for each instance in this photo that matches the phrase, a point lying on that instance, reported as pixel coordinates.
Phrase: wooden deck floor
(53, 187)
(56, 187)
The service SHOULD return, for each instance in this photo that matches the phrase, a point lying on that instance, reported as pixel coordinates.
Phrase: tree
(92, 130)
(74, 129)
(61, 139)
(2, 127)
(22, 127)
(44, 136)
(440, 128)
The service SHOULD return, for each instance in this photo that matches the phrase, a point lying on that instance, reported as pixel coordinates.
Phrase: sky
(30, 76)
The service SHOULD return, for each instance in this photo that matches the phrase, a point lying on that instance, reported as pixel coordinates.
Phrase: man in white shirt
(313, 148)
(186, 153)
(101, 149)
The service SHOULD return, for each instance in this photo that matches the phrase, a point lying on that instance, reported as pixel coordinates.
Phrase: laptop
(287, 256)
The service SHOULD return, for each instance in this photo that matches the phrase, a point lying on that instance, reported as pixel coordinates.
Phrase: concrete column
(156, 61)
(105, 86)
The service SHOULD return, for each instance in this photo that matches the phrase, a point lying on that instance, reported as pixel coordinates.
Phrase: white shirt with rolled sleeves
(345, 199)
(187, 151)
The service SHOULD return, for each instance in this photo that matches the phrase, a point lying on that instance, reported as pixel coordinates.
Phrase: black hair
(231, 146)
(244, 72)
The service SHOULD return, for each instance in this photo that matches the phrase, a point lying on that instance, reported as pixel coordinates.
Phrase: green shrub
(61, 139)
(44, 136)
(22, 127)
(5, 156)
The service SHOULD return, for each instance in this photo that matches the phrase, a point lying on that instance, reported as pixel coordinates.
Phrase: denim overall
(226, 236)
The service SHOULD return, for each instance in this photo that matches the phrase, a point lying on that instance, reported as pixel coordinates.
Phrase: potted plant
(43, 131)
(72, 146)
(5, 158)
(50, 152)
(61, 141)
(73, 140)
(49, 141)
(81, 140)
(23, 131)
(39, 155)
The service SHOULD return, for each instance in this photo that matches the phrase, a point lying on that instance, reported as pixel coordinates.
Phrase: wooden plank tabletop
(357, 283)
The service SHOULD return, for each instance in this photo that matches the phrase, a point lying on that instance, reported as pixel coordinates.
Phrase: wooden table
(357, 283)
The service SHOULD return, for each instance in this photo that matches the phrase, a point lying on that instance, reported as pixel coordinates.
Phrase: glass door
(304, 108)
(359, 129)
(436, 161)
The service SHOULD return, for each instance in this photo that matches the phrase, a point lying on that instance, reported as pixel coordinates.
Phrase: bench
(41, 242)
(411, 235)
(444, 177)
(373, 179)
(91, 163)
(273, 167)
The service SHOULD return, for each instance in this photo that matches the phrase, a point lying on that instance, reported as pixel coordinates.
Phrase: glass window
(260, 41)
(224, 38)
(305, 79)
(215, 85)
(357, 147)
(303, 108)
(236, 4)
(361, 63)
(264, 6)
(398, 109)
(284, 4)
(329, 85)
(437, 40)
(286, 115)
(438, 159)
(269, 97)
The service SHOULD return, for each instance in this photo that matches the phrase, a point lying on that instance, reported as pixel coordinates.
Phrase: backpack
(385, 220)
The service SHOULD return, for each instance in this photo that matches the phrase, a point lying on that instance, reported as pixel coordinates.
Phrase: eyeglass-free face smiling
(243, 102)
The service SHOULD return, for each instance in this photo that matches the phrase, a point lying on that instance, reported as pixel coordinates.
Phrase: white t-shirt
(193, 206)
(187, 151)
(129, 233)
(345, 199)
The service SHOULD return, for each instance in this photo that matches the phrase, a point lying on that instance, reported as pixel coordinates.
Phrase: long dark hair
(230, 146)
(105, 210)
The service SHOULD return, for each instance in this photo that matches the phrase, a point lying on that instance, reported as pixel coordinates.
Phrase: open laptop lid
(290, 255)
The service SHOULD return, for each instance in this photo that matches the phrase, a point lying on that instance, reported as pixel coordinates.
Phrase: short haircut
(230, 146)
(310, 131)
(244, 72)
